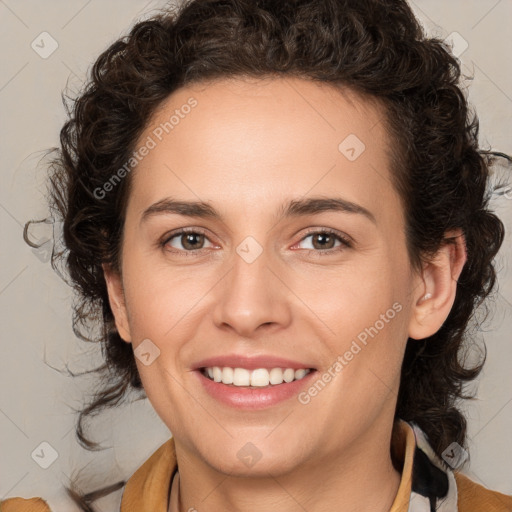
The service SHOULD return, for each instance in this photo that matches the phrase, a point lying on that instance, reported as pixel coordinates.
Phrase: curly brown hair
(374, 47)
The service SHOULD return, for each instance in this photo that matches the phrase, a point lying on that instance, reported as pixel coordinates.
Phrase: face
(294, 257)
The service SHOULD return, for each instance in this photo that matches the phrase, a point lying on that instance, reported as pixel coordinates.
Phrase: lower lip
(254, 398)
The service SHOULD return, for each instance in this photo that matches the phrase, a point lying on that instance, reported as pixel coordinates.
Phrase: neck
(366, 480)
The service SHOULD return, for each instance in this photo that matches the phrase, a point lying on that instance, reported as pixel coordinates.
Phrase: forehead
(245, 137)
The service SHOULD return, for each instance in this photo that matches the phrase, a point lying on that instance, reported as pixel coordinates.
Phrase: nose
(252, 298)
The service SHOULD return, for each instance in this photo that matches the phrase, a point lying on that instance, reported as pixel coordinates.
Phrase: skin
(246, 148)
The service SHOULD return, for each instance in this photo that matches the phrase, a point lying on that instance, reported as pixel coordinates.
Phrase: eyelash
(345, 241)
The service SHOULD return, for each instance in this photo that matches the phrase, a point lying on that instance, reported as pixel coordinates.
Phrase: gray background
(36, 401)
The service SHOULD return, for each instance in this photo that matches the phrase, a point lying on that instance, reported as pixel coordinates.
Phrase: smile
(259, 388)
(257, 378)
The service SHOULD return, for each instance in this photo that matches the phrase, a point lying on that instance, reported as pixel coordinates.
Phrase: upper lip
(250, 362)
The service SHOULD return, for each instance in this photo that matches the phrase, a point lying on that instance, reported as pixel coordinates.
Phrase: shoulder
(24, 505)
(473, 497)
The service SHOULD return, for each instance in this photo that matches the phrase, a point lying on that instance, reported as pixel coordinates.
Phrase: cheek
(158, 297)
(363, 310)
(349, 297)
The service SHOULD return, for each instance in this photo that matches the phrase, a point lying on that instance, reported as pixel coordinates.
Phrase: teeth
(260, 377)
(241, 377)
(289, 374)
(227, 375)
(276, 376)
(300, 373)
(217, 374)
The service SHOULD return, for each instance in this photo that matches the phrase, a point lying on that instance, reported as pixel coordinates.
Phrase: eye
(186, 240)
(324, 241)
(190, 240)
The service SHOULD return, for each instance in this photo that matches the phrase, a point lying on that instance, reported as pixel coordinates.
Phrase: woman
(280, 210)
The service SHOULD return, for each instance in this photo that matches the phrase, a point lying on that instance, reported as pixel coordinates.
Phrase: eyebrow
(293, 208)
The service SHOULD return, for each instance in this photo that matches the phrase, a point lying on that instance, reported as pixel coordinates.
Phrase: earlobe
(117, 301)
(435, 295)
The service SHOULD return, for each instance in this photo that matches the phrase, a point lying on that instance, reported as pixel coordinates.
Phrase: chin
(247, 460)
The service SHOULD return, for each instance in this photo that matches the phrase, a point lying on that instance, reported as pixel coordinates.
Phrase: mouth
(256, 388)
(254, 378)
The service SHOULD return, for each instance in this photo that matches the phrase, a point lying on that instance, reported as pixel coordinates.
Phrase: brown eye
(186, 241)
(192, 241)
(325, 242)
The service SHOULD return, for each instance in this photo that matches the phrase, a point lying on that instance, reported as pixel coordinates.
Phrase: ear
(117, 301)
(435, 295)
